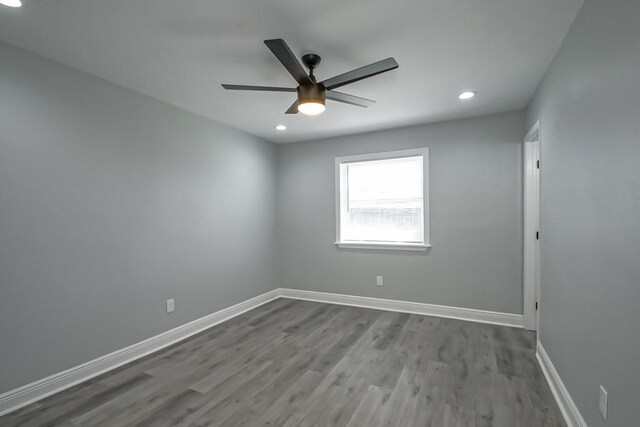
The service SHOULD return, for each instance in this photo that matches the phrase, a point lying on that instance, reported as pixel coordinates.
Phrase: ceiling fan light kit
(312, 95)
(311, 107)
(311, 99)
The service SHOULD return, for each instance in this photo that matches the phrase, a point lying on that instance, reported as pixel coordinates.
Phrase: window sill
(384, 246)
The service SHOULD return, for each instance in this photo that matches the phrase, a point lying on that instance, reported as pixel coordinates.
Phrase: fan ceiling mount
(311, 94)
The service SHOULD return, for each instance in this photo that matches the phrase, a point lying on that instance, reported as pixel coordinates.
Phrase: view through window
(382, 200)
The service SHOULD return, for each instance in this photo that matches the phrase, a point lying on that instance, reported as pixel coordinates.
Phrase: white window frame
(340, 186)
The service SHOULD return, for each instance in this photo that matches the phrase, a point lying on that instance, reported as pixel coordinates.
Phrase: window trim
(424, 152)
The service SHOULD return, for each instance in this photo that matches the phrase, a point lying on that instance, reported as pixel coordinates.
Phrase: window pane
(383, 201)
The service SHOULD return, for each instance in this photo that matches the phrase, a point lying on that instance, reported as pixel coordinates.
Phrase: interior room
(337, 213)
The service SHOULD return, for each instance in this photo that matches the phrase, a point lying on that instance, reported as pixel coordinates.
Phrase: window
(381, 200)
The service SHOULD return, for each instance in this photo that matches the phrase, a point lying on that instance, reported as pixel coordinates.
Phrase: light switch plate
(170, 305)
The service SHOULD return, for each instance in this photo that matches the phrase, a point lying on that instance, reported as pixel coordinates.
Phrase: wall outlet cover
(379, 281)
(170, 305)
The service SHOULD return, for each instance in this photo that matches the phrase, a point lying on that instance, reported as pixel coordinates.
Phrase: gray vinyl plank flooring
(295, 363)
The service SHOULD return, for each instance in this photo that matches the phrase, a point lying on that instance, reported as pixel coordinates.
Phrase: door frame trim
(531, 208)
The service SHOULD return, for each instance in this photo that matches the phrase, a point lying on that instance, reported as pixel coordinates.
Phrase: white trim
(424, 151)
(469, 314)
(531, 225)
(569, 410)
(534, 132)
(22, 396)
(383, 246)
(339, 189)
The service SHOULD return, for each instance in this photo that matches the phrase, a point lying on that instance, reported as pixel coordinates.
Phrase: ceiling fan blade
(258, 88)
(361, 73)
(293, 109)
(281, 50)
(349, 99)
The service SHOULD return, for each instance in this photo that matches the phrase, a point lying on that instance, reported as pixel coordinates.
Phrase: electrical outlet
(604, 397)
(379, 281)
(170, 305)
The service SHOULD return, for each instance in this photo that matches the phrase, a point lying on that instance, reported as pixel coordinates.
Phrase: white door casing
(531, 149)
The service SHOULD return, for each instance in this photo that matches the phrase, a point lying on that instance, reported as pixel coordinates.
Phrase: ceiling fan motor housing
(312, 93)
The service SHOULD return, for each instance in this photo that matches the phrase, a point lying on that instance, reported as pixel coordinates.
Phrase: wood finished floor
(297, 363)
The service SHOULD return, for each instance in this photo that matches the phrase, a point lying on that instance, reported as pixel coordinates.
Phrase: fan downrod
(311, 61)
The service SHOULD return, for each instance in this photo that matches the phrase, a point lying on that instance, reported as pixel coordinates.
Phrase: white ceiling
(179, 51)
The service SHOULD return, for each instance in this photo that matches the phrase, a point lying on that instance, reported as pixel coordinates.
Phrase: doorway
(532, 235)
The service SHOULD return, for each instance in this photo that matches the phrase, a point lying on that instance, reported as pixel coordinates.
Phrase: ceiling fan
(311, 94)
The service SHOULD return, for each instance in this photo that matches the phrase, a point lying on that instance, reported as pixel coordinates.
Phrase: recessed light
(281, 127)
(467, 95)
(11, 3)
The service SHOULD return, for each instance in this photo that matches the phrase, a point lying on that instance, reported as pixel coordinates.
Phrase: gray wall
(111, 203)
(589, 109)
(476, 217)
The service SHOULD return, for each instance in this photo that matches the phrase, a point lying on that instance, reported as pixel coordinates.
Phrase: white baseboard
(569, 410)
(469, 314)
(17, 398)
(22, 396)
